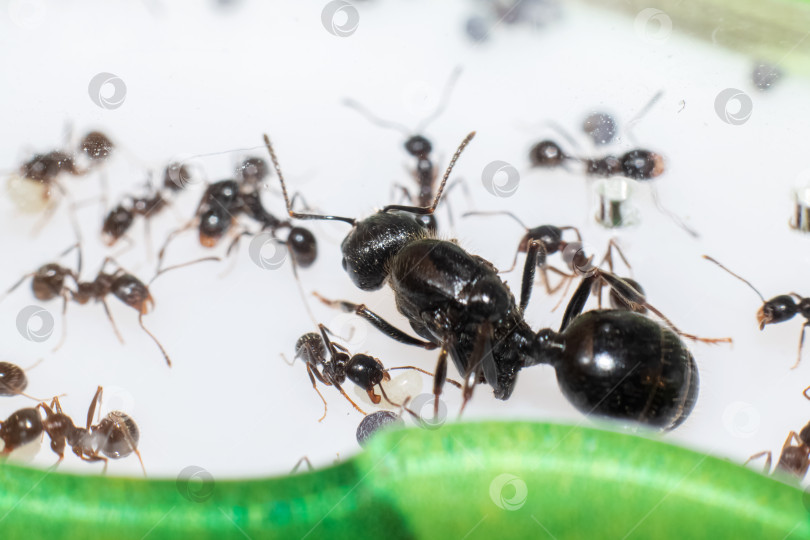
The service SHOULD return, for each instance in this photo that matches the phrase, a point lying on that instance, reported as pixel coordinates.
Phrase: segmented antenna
(736, 276)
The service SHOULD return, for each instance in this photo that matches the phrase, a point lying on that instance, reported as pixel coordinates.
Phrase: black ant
(50, 281)
(363, 370)
(458, 303)
(115, 436)
(778, 309)
(224, 201)
(418, 146)
(13, 380)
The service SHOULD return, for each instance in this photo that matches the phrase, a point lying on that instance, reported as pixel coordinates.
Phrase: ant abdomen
(116, 224)
(214, 223)
(625, 366)
(22, 427)
(12, 379)
(303, 245)
(642, 164)
(131, 291)
(119, 435)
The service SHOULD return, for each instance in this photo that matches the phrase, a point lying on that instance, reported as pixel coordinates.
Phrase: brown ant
(115, 436)
(793, 459)
(778, 309)
(49, 282)
(363, 370)
(13, 380)
(20, 428)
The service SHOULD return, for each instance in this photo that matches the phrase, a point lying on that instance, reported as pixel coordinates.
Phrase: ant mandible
(778, 309)
(116, 436)
(457, 302)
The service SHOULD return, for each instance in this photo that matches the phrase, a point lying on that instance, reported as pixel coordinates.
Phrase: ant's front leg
(377, 321)
(536, 249)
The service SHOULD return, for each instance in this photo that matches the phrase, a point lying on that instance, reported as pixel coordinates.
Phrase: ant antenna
(430, 209)
(151, 335)
(737, 276)
(293, 214)
(387, 124)
(181, 265)
(641, 114)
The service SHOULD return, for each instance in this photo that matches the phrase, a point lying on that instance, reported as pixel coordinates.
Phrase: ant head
(365, 371)
(46, 167)
(119, 435)
(97, 146)
(116, 224)
(303, 246)
(548, 235)
(133, 292)
(49, 281)
(310, 348)
(21, 428)
(642, 164)
(373, 243)
(546, 154)
(214, 223)
(224, 193)
(12, 379)
(778, 309)
(418, 146)
(253, 170)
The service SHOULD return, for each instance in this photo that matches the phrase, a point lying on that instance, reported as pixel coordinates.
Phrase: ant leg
(403, 191)
(671, 215)
(768, 460)
(420, 370)
(438, 379)
(171, 236)
(801, 345)
(572, 228)
(340, 389)
(535, 250)
(64, 321)
(292, 362)
(566, 278)
(109, 316)
(151, 335)
(477, 364)
(301, 461)
(377, 321)
(608, 258)
(92, 410)
(315, 387)
(20, 282)
(578, 300)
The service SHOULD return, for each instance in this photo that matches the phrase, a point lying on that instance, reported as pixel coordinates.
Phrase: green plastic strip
(474, 480)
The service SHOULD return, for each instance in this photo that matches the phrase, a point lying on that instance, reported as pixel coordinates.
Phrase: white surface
(202, 80)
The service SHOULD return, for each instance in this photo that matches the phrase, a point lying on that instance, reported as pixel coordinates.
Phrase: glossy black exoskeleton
(457, 302)
(636, 164)
(20, 428)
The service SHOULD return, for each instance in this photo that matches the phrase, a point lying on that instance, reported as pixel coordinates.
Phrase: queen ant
(363, 370)
(116, 436)
(50, 281)
(778, 309)
(457, 303)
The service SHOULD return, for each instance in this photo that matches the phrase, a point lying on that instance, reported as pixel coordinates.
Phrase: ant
(33, 187)
(793, 459)
(778, 309)
(120, 219)
(224, 201)
(13, 380)
(363, 370)
(115, 436)
(458, 303)
(49, 282)
(419, 147)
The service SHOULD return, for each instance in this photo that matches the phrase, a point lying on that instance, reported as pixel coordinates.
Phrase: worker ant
(418, 146)
(50, 281)
(224, 201)
(458, 303)
(33, 187)
(363, 370)
(793, 459)
(778, 309)
(116, 436)
(13, 380)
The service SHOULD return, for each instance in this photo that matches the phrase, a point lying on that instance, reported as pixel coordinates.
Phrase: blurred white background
(205, 78)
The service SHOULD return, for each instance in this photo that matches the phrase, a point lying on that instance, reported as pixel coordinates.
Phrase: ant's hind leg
(768, 460)
(801, 345)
